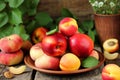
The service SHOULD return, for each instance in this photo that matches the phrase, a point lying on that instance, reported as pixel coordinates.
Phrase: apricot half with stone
(111, 45)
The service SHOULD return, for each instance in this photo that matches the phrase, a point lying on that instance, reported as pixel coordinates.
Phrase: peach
(69, 62)
(111, 72)
(94, 54)
(38, 34)
(47, 62)
(36, 51)
(26, 45)
(11, 43)
(111, 45)
(12, 58)
(111, 56)
(68, 26)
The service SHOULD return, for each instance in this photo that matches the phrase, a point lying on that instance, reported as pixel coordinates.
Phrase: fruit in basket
(94, 54)
(47, 62)
(12, 58)
(68, 26)
(111, 45)
(69, 62)
(54, 45)
(81, 45)
(17, 70)
(36, 51)
(11, 43)
(111, 72)
(38, 34)
(111, 56)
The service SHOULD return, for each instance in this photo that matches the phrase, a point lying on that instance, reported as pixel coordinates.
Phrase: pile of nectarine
(111, 47)
(64, 49)
(11, 52)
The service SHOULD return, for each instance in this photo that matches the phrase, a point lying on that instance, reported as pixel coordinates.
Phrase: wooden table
(31, 74)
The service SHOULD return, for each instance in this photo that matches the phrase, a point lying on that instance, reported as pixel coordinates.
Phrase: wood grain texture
(80, 8)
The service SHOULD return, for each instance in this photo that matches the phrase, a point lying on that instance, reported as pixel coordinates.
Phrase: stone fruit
(36, 51)
(81, 45)
(111, 45)
(26, 45)
(94, 54)
(54, 45)
(17, 70)
(38, 34)
(111, 72)
(68, 26)
(69, 62)
(47, 62)
(111, 56)
(12, 58)
(11, 43)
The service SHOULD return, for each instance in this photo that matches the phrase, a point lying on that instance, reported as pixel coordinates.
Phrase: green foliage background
(21, 17)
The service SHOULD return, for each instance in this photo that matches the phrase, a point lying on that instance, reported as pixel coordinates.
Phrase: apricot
(111, 45)
(69, 62)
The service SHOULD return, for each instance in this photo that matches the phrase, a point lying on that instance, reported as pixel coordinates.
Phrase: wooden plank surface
(27, 75)
(92, 75)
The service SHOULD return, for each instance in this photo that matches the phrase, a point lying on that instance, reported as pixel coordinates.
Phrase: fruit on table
(17, 70)
(95, 54)
(81, 45)
(38, 34)
(111, 56)
(111, 72)
(11, 43)
(68, 26)
(69, 62)
(54, 45)
(47, 62)
(111, 45)
(11, 58)
(36, 51)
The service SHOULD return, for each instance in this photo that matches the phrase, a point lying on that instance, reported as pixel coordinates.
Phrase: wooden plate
(30, 63)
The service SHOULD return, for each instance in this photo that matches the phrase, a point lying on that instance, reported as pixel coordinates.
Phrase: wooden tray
(30, 63)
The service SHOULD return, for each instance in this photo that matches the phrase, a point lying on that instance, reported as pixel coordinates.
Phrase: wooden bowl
(30, 63)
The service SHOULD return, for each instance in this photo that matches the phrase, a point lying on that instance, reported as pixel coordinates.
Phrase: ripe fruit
(38, 34)
(94, 54)
(81, 45)
(36, 51)
(69, 62)
(54, 45)
(68, 26)
(47, 62)
(17, 70)
(11, 58)
(111, 56)
(11, 43)
(111, 72)
(111, 45)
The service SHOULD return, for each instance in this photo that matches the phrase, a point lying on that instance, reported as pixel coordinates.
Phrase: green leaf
(91, 34)
(20, 30)
(89, 62)
(87, 24)
(52, 31)
(15, 3)
(2, 5)
(80, 30)
(30, 27)
(43, 18)
(66, 13)
(15, 17)
(6, 30)
(3, 19)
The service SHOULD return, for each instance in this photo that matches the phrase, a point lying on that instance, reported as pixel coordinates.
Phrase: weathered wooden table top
(31, 74)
